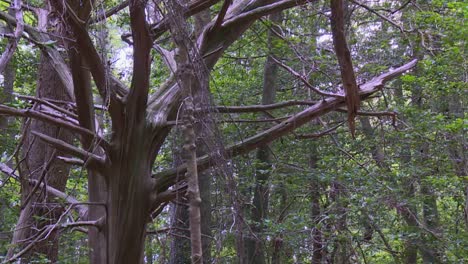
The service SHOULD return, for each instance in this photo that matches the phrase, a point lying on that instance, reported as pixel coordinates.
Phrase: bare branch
(5, 110)
(88, 157)
(47, 103)
(393, 23)
(320, 134)
(80, 207)
(71, 161)
(303, 79)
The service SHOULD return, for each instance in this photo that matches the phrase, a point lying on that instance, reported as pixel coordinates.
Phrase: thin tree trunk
(255, 246)
(180, 244)
(315, 211)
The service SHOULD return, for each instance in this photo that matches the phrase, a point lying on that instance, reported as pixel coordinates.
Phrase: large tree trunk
(40, 164)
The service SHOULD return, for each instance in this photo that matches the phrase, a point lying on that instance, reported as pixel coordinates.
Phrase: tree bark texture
(40, 164)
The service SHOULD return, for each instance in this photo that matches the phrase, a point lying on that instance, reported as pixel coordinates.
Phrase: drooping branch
(13, 43)
(343, 54)
(168, 178)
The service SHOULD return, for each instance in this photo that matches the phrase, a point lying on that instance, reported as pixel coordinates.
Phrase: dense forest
(235, 131)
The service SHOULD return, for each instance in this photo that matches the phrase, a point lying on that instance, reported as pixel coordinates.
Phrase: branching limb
(221, 15)
(303, 79)
(137, 98)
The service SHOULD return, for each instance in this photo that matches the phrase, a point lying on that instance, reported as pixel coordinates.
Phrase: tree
(124, 194)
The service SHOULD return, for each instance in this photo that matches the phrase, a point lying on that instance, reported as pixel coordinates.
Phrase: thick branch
(222, 14)
(193, 8)
(142, 44)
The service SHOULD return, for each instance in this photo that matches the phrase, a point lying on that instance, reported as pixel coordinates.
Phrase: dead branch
(343, 54)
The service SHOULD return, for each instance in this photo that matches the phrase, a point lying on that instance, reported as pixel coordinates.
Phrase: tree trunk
(255, 246)
(40, 164)
(180, 246)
